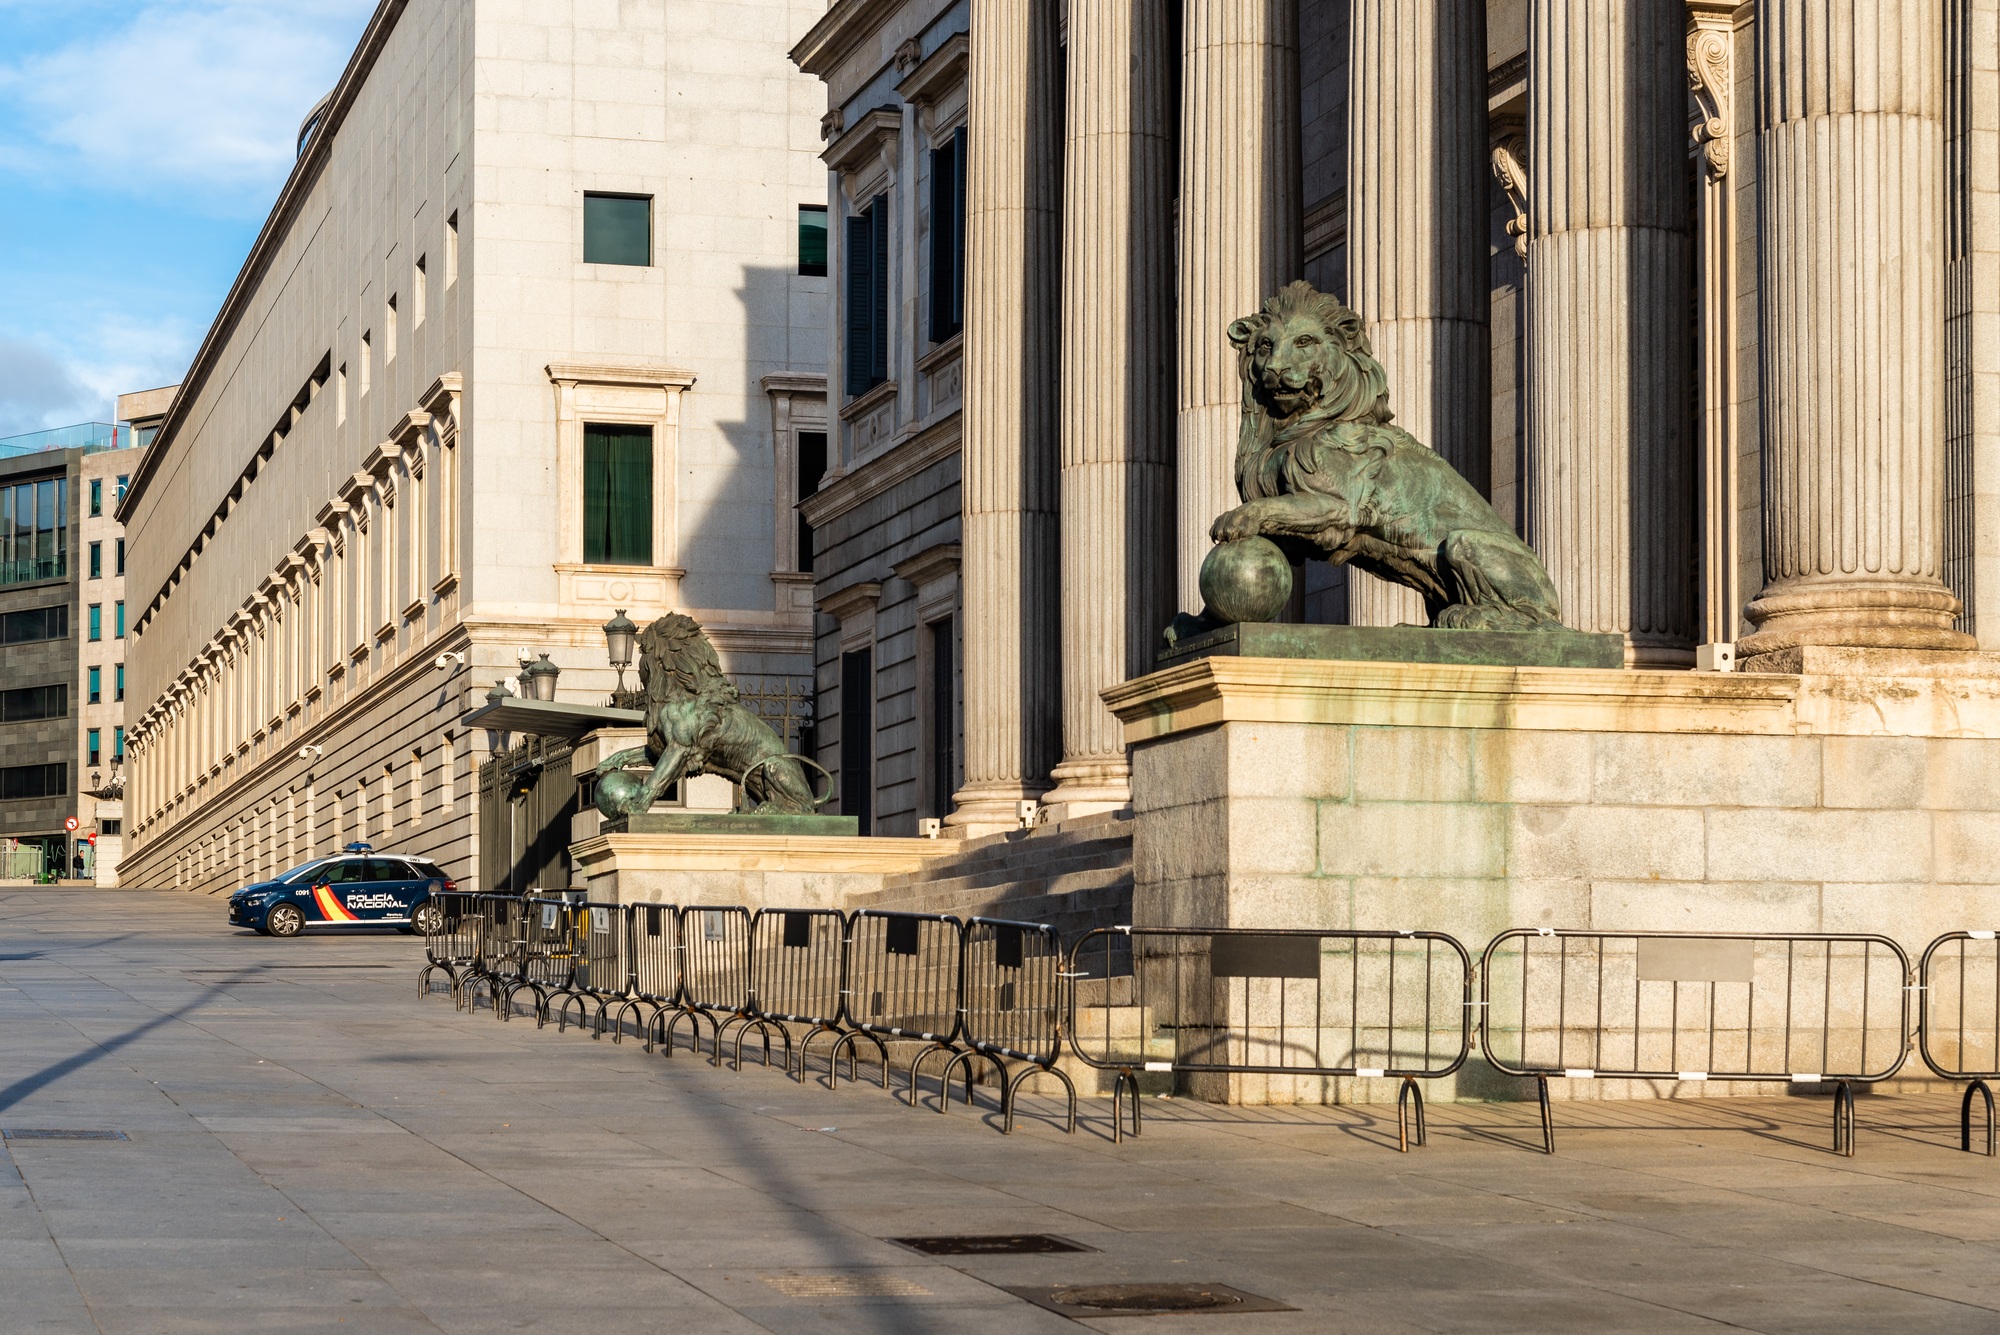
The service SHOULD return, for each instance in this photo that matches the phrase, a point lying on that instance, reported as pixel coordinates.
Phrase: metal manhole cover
(1097, 1300)
(993, 1244)
(58, 1133)
(846, 1286)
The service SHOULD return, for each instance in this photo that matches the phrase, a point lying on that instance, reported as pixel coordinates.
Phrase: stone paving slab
(317, 1148)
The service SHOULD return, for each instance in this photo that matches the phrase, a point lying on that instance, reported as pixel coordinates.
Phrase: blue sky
(141, 145)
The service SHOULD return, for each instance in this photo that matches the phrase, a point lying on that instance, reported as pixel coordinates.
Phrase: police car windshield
(297, 874)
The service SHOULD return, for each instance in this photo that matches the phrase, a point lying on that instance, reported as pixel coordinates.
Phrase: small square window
(618, 229)
(812, 240)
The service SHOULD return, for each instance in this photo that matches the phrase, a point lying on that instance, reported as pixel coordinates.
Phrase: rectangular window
(419, 294)
(944, 716)
(367, 360)
(618, 229)
(96, 496)
(95, 747)
(451, 250)
(106, 825)
(948, 238)
(617, 495)
(96, 559)
(118, 746)
(389, 332)
(119, 567)
(19, 782)
(32, 624)
(96, 686)
(119, 621)
(812, 467)
(812, 240)
(857, 735)
(340, 395)
(118, 682)
(96, 621)
(867, 260)
(124, 479)
(34, 530)
(26, 704)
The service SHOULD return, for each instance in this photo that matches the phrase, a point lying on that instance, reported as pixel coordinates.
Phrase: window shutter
(958, 230)
(860, 262)
(944, 195)
(880, 211)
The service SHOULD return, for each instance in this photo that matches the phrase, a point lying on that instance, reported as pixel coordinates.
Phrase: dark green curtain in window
(618, 495)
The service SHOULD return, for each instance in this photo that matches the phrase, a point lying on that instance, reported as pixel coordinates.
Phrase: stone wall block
(1534, 901)
(1516, 766)
(1909, 913)
(1654, 769)
(1603, 841)
(1322, 903)
(1819, 845)
(1660, 906)
(1190, 770)
(1963, 775)
(1413, 764)
(1411, 839)
(1287, 760)
(1267, 834)
(1473, 911)
(1968, 849)
(1887, 772)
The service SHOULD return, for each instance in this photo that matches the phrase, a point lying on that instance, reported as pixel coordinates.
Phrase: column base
(990, 807)
(1852, 614)
(1087, 787)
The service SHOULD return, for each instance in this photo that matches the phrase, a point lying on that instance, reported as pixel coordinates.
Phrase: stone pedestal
(1471, 800)
(730, 866)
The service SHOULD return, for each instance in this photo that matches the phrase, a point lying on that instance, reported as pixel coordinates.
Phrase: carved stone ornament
(1709, 61)
(1510, 165)
(1323, 475)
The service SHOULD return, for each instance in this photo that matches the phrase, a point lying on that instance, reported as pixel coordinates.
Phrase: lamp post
(621, 640)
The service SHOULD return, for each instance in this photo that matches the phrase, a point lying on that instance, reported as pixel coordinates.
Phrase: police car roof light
(360, 848)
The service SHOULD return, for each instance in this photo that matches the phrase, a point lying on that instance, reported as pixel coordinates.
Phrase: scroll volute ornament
(1510, 165)
(1709, 73)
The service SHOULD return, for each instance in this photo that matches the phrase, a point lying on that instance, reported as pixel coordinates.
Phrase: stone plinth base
(755, 822)
(1469, 800)
(758, 870)
(1404, 644)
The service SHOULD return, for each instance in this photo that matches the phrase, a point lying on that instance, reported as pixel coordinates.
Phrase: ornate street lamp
(621, 641)
(540, 678)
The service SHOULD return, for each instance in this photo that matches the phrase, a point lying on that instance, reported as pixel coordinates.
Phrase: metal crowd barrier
(1805, 1010)
(1011, 979)
(1958, 1025)
(545, 960)
(797, 959)
(451, 940)
(1300, 1004)
(715, 976)
(600, 972)
(902, 983)
(653, 948)
(497, 950)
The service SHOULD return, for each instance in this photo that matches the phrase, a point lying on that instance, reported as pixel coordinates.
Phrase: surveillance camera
(443, 662)
(308, 752)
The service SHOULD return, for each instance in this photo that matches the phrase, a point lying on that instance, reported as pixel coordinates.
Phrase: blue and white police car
(355, 886)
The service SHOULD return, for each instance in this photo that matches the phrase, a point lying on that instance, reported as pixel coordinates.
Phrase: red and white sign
(70, 824)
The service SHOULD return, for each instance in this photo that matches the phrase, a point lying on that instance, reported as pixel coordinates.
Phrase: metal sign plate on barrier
(1264, 957)
(1665, 959)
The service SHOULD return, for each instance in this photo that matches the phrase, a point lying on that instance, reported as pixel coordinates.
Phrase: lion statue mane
(697, 724)
(1323, 474)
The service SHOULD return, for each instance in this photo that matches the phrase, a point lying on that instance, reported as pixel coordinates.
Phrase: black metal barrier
(1301, 1004)
(545, 965)
(1012, 978)
(796, 966)
(902, 982)
(451, 939)
(1958, 1026)
(715, 976)
(601, 974)
(653, 947)
(498, 950)
(1821, 1008)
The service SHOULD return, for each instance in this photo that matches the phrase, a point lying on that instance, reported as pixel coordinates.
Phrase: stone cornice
(940, 72)
(853, 599)
(642, 374)
(846, 25)
(788, 382)
(929, 565)
(863, 139)
(899, 463)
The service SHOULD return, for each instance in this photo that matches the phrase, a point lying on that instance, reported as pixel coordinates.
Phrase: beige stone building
(530, 336)
(1696, 292)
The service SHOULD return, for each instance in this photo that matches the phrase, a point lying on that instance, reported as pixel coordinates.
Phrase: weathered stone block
(1883, 772)
(1967, 846)
(1517, 766)
(1315, 902)
(1283, 760)
(1415, 839)
(1597, 842)
(1699, 906)
(1750, 845)
(1653, 769)
(1964, 774)
(1267, 834)
(1413, 764)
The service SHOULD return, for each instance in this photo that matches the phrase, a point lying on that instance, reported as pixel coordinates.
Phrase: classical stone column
(1117, 396)
(1416, 237)
(1610, 472)
(1850, 147)
(1013, 257)
(1240, 232)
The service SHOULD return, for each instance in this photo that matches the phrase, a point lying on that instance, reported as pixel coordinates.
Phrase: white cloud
(38, 389)
(197, 97)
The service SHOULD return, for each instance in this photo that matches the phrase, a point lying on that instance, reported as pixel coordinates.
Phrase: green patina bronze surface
(752, 822)
(1558, 647)
(1323, 474)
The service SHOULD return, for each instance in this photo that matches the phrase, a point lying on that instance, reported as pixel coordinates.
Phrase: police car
(358, 885)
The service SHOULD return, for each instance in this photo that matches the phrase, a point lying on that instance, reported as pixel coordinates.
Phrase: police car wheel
(284, 920)
(427, 919)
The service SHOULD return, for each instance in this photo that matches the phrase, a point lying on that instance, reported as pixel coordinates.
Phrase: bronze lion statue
(1323, 474)
(697, 724)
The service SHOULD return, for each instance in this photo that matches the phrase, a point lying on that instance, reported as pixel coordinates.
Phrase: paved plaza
(309, 1146)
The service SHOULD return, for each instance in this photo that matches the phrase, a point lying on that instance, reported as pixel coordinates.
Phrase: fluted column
(1239, 232)
(1850, 144)
(1011, 562)
(1416, 237)
(1117, 396)
(1610, 475)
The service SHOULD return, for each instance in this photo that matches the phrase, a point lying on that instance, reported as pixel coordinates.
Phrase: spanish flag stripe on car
(330, 907)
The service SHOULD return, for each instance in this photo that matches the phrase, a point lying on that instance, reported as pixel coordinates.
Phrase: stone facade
(375, 469)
